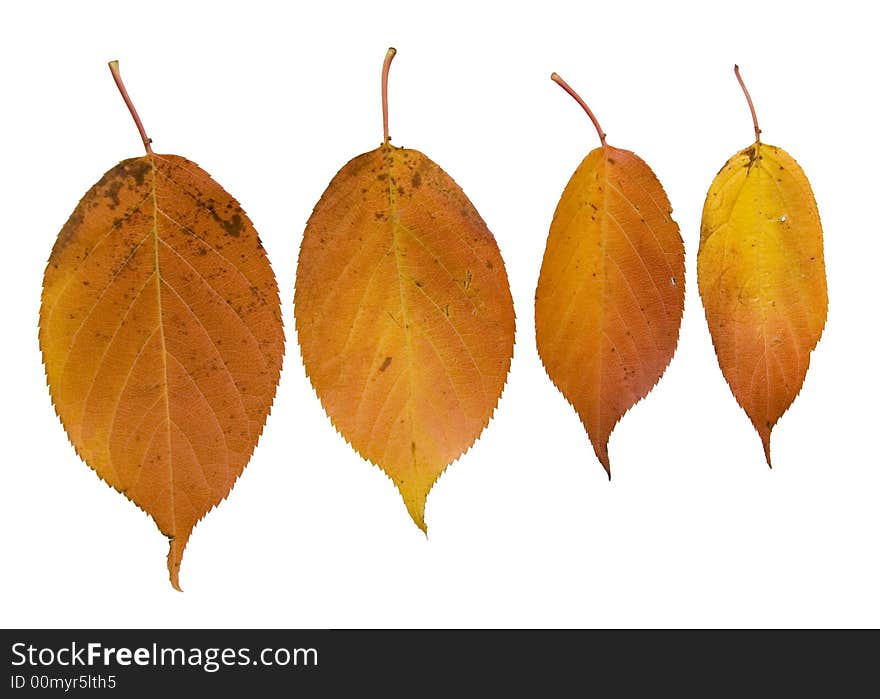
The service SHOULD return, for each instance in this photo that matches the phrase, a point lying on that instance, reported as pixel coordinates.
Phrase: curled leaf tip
(176, 545)
(419, 519)
(415, 505)
(765, 442)
(602, 454)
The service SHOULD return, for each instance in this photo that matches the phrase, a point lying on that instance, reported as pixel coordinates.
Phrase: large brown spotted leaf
(404, 315)
(161, 337)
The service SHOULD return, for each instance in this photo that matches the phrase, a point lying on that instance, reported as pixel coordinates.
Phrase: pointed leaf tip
(601, 450)
(765, 442)
(415, 505)
(176, 545)
(415, 493)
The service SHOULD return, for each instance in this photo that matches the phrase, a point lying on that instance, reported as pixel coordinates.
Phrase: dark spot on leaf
(753, 155)
(138, 169)
(112, 192)
(416, 181)
(385, 364)
(233, 226)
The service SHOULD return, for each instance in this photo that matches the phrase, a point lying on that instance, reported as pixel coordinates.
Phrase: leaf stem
(751, 105)
(114, 69)
(386, 66)
(577, 98)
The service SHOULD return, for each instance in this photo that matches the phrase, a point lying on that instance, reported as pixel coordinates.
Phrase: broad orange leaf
(404, 314)
(161, 337)
(611, 289)
(761, 273)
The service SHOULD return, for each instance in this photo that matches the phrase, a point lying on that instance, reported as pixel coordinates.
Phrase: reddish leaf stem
(114, 69)
(751, 105)
(386, 66)
(577, 98)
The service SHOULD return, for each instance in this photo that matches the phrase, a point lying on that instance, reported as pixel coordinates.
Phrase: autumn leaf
(161, 336)
(611, 289)
(761, 273)
(403, 313)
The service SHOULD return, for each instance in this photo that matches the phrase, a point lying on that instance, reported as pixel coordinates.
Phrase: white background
(272, 99)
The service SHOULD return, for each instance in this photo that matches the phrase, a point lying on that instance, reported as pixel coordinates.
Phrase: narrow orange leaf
(611, 289)
(161, 336)
(761, 273)
(403, 313)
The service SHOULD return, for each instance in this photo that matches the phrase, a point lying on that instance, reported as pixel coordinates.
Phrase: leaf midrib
(158, 276)
(395, 226)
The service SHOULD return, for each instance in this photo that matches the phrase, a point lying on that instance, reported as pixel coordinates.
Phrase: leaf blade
(410, 363)
(761, 274)
(132, 320)
(610, 293)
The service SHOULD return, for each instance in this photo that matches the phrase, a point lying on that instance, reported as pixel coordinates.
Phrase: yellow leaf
(761, 273)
